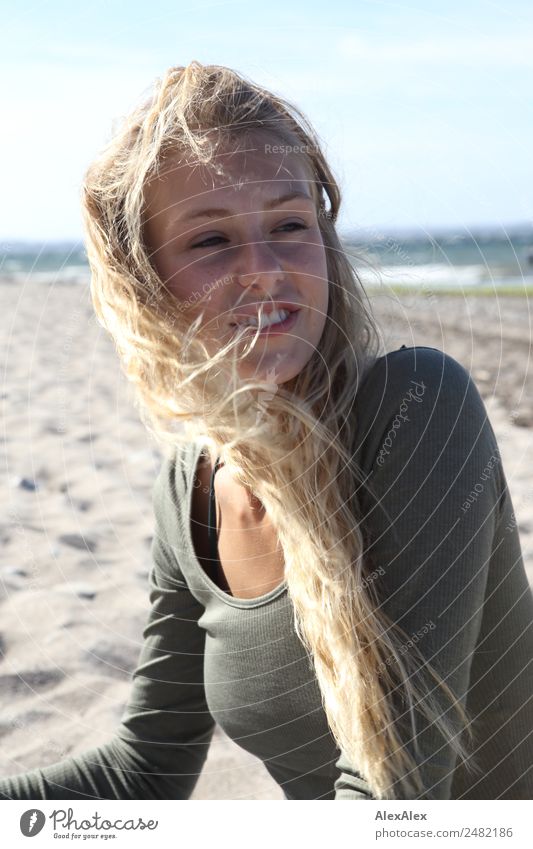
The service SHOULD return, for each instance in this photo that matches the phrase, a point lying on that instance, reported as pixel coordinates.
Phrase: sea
(475, 259)
(482, 259)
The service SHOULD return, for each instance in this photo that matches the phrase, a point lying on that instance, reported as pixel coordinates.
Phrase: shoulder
(423, 386)
(172, 486)
(419, 364)
(408, 374)
(171, 500)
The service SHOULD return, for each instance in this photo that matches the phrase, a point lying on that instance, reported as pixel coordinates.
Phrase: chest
(261, 690)
(251, 560)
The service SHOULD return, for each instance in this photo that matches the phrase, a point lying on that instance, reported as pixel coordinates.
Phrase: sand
(76, 518)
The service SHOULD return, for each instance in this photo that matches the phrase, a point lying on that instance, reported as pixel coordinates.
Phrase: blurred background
(424, 111)
(425, 114)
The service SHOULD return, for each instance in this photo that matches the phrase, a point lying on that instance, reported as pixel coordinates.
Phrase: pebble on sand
(78, 541)
(85, 591)
(28, 484)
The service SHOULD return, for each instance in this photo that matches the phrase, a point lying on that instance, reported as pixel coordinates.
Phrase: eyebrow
(221, 213)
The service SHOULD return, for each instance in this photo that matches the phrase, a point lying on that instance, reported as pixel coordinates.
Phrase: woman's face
(247, 237)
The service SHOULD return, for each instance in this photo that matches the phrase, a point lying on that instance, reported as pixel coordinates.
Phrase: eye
(206, 242)
(212, 240)
(296, 224)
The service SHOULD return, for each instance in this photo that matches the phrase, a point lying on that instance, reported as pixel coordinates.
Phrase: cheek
(320, 317)
(311, 259)
(304, 254)
(319, 298)
(200, 287)
(314, 266)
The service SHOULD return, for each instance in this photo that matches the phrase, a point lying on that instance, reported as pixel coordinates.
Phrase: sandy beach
(76, 519)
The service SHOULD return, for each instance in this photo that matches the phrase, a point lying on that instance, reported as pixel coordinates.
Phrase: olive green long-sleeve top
(438, 520)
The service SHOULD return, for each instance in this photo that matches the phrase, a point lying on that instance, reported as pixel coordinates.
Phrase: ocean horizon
(454, 258)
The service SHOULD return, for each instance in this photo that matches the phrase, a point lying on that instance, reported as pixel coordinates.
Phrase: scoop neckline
(196, 450)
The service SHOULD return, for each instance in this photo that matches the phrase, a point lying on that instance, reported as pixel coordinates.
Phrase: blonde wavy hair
(296, 452)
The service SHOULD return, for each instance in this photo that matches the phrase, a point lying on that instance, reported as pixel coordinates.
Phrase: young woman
(337, 577)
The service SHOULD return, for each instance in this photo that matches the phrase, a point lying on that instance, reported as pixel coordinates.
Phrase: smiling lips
(281, 322)
(252, 310)
(274, 317)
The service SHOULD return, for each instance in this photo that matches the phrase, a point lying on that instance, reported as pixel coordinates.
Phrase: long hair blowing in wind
(295, 451)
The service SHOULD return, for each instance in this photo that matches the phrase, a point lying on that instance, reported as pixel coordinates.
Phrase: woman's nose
(258, 264)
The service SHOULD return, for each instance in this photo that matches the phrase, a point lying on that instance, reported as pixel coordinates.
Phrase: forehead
(240, 180)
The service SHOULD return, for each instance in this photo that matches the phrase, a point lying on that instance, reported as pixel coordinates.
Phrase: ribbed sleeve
(161, 744)
(431, 503)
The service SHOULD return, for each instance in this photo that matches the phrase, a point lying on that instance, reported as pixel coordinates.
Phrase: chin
(271, 371)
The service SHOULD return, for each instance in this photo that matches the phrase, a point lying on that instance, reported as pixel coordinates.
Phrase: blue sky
(424, 108)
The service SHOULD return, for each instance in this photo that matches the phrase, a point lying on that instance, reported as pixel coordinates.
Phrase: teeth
(266, 320)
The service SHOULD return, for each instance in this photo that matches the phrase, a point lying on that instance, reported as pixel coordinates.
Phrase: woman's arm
(427, 445)
(161, 744)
